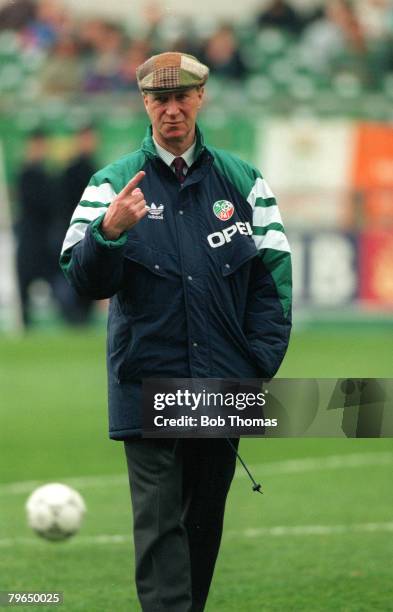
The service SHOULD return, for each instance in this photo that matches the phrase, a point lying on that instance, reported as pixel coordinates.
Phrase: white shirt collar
(168, 157)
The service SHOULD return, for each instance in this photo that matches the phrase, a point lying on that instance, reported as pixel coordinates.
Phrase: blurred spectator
(62, 72)
(136, 53)
(75, 309)
(337, 33)
(222, 54)
(96, 56)
(36, 195)
(78, 174)
(172, 31)
(279, 14)
(102, 70)
(153, 17)
(343, 14)
(376, 18)
(49, 22)
(89, 34)
(185, 44)
(17, 14)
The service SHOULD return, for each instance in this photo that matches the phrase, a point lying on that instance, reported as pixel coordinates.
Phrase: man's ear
(146, 101)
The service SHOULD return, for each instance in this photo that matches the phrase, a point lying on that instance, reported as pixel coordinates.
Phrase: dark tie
(179, 164)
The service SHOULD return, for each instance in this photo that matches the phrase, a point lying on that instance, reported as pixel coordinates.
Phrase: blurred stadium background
(304, 91)
(306, 94)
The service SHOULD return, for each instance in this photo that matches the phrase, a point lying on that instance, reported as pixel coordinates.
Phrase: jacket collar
(150, 150)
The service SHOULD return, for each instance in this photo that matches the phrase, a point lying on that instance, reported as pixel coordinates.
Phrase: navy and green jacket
(200, 287)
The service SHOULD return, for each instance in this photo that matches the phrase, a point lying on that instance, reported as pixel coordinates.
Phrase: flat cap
(171, 71)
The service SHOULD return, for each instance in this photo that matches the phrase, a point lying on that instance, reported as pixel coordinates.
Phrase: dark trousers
(30, 266)
(178, 492)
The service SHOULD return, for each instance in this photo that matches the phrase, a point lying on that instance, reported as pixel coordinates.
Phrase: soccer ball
(55, 511)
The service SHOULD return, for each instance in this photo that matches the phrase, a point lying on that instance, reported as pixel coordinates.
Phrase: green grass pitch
(319, 539)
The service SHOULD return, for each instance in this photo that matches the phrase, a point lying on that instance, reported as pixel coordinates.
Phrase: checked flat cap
(171, 71)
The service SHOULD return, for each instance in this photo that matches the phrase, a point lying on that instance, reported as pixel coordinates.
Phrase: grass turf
(53, 427)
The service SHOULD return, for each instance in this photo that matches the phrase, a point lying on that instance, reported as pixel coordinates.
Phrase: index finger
(127, 190)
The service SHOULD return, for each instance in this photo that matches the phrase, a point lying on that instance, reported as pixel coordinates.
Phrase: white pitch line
(291, 466)
(315, 464)
(276, 531)
(302, 530)
(82, 482)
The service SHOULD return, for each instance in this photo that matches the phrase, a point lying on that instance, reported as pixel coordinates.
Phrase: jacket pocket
(237, 256)
(149, 277)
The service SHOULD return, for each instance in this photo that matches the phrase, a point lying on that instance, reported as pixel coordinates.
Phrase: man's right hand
(128, 207)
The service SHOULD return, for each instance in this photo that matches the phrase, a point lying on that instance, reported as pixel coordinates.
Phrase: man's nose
(172, 107)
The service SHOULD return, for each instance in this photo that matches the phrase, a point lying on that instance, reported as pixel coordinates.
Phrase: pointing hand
(127, 209)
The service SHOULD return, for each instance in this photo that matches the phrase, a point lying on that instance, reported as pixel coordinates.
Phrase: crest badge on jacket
(223, 209)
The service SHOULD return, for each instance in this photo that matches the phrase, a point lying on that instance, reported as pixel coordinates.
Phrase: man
(76, 309)
(79, 169)
(280, 14)
(36, 192)
(166, 233)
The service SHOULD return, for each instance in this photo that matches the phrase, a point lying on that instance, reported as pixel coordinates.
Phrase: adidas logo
(156, 212)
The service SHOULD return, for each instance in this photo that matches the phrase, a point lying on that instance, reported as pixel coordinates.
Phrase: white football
(55, 511)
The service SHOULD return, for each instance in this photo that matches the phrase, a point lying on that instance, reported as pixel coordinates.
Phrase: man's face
(173, 115)
(37, 149)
